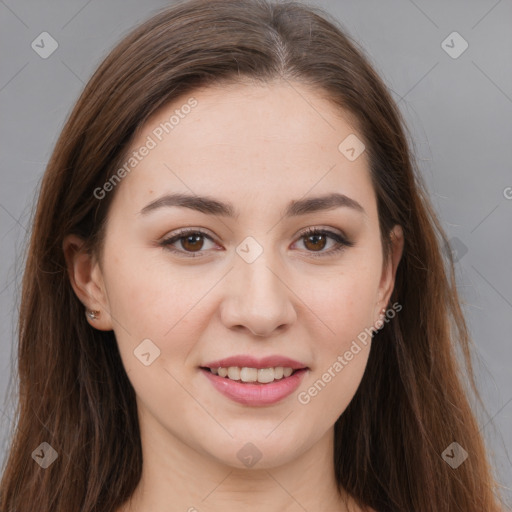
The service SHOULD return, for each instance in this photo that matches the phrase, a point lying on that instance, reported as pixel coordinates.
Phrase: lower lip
(256, 394)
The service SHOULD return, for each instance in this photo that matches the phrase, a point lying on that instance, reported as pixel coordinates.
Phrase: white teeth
(261, 375)
(234, 373)
(265, 375)
(248, 374)
(278, 372)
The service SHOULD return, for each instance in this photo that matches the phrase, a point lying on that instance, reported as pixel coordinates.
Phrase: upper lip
(252, 362)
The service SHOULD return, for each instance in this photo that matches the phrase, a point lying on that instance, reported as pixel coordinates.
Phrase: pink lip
(256, 394)
(252, 362)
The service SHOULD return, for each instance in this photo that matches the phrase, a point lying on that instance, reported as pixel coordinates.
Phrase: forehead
(269, 141)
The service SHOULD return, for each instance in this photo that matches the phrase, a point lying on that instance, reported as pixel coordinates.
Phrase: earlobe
(87, 282)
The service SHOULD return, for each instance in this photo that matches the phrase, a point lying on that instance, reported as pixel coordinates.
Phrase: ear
(86, 278)
(387, 282)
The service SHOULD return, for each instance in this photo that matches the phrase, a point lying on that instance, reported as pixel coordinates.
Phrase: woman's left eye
(317, 238)
(192, 241)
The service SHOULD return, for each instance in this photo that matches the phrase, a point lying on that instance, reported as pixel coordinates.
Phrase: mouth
(253, 382)
(249, 375)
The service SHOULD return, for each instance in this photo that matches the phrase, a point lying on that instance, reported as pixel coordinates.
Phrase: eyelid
(323, 229)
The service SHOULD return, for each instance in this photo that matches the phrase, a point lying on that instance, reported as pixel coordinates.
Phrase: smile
(253, 392)
(261, 375)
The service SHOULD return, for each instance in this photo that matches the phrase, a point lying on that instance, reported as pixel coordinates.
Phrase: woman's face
(245, 286)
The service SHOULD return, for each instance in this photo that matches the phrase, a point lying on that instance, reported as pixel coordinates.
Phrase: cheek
(149, 302)
(345, 303)
(340, 357)
(332, 388)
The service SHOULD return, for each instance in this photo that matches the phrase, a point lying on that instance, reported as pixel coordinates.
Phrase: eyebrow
(211, 206)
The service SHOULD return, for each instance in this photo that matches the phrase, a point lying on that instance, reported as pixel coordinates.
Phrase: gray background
(458, 110)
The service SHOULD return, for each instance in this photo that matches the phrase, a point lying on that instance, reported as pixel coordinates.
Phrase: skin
(257, 147)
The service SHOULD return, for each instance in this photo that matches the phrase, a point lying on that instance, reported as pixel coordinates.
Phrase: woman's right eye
(191, 241)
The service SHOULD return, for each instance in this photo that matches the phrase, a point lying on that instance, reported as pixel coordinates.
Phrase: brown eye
(315, 242)
(192, 242)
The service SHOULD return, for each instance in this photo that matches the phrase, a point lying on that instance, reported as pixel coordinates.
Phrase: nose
(257, 298)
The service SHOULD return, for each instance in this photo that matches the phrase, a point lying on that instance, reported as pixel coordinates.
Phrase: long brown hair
(73, 391)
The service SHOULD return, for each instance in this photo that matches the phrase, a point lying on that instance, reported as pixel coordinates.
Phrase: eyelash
(342, 242)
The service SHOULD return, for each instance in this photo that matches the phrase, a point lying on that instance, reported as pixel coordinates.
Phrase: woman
(234, 295)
